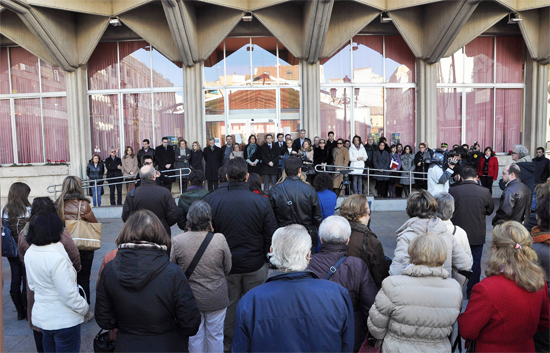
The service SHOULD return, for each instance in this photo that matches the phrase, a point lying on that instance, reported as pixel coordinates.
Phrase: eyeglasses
(113, 152)
(339, 143)
(323, 142)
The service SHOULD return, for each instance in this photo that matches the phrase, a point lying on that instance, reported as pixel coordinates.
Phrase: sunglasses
(339, 143)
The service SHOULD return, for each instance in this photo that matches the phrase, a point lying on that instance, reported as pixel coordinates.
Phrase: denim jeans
(477, 251)
(62, 340)
(96, 198)
(83, 276)
(209, 338)
(357, 184)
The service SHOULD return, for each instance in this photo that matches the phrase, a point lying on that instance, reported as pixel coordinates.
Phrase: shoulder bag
(86, 235)
(199, 254)
(9, 247)
(332, 269)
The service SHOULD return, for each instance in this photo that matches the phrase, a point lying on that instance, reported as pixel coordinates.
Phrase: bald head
(147, 172)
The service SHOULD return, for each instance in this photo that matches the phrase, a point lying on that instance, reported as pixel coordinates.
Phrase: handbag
(86, 235)
(371, 344)
(9, 247)
(102, 343)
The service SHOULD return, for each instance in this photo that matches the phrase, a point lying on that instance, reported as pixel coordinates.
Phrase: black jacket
(515, 203)
(149, 300)
(186, 200)
(370, 153)
(141, 153)
(111, 166)
(164, 157)
(352, 274)
(528, 170)
(181, 160)
(473, 203)
(270, 155)
(154, 198)
(213, 161)
(195, 160)
(305, 205)
(542, 169)
(322, 156)
(297, 144)
(247, 222)
(256, 156)
(95, 173)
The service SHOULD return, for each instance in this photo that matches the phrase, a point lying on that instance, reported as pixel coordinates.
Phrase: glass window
(400, 111)
(168, 109)
(510, 59)
(28, 123)
(264, 61)
(56, 128)
(102, 67)
(165, 72)
(138, 119)
(289, 67)
(399, 61)
(451, 69)
(368, 112)
(336, 112)
(237, 51)
(478, 60)
(290, 110)
(6, 140)
(214, 68)
(449, 116)
(135, 65)
(104, 120)
(368, 62)
(479, 116)
(24, 71)
(4, 72)
(337, 68)
(53, 78)
(509, 110)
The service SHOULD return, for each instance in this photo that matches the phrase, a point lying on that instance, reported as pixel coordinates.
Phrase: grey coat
(407, 164)
(208, 279)
(382, 161)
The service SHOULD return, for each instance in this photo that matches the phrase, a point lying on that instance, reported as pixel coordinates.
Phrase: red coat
(493, 167)
(503, 317)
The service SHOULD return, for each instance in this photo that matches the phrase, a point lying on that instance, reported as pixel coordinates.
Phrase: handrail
(93, 183)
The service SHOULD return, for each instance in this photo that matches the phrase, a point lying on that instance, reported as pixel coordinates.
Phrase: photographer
(438, 177)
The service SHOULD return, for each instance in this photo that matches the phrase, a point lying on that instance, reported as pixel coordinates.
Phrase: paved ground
(18, 336)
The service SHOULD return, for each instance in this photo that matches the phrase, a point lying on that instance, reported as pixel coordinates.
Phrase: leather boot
(17, 299)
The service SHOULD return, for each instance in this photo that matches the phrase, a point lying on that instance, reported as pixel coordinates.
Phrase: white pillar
(311, 98)
(426, 112)
(193, 103)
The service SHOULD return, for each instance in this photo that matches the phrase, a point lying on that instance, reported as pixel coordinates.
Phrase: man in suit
(297, 144)
(113, 164)
(270, 162)
(165, 158)
(213, 158)
(227, 148)
(281, 145)
(145, 151)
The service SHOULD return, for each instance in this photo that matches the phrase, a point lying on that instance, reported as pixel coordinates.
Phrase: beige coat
(129, 164)
(415, 313)
(341, 158)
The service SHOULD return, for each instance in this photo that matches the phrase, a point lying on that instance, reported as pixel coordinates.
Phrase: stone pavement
(18, 336)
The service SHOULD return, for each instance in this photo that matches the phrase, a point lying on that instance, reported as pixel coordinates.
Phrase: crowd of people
(276, 269)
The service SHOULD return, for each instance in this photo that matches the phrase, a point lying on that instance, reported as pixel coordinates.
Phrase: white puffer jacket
(456, 256)
(416, 312)
(354, 154)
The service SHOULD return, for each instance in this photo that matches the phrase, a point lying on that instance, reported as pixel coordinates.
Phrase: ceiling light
(247, 17)
(115, 21)
(513, 18)
(385, 17)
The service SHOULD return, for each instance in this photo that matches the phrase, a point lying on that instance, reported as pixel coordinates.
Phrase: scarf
(142, 245)
(251, 149)
(540, 235)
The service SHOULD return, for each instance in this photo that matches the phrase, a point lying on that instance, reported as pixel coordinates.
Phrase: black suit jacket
(270, 155)
(111, 166)
(162, 158)
(297, 144)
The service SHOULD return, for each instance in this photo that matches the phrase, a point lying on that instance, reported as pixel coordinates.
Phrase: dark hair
(293, 165)
(461, 151)
(251, 136)
(236, 169)
(347, 141)
(180, 141)
(44, 228)
(357, 136)
(126, 152)
(165, 138)
(221, 173)
(255, 183)
(421, 204)
(514, 168)
(468, 173)
(543, 211)
(199, 217)
(146, 140)
(393, 146)
(143, 225)
(465, 145)
(145, 157)
(43, 205)
(280, 134)
(422, 144)
(196, 177)
(268, 135)
(405, 149)
(322, 182)
(330, 132)
(18, 201)
(340, 139)
(540, 148)
(490, 149)
(382, 139)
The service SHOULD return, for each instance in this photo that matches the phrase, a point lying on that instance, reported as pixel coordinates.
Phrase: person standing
(196, 158)
(472, 204)
(270, 162)
(227, 148)
(515, 201)
(327, 198)
(95, 170)
(438, 177)
(182, 154)
(252, 155)
(542, 167)
(322, 155)
(381, 160)
(395, 165)
(129, 168)
(487, 169)
(357, 157)
(194, 193)
(340, 156)
(145, 150)
(247, 222)
(207, 280)
(236, 153)
(331, 142)
(421, 163)
(113, 164)
(297, 144)
(370, 147)
(164, 160)
(213, 159)
(407, 165)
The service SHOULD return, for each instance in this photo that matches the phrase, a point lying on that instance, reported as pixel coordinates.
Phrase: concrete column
(80, 149)
(426, 111)
(193, 103)
(311, 98)
(536, 105)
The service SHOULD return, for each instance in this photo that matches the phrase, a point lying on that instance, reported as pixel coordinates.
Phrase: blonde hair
(71, 185)
(198, 145)
(514, 258)
(428, 249)
(354, 207)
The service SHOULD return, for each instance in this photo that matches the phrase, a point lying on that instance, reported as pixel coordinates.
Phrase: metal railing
(93, 183)
(372, 172)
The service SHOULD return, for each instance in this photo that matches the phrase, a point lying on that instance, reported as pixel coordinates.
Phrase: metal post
(55, 192)
(95, 186)
(181, 184)
(410, 182)
(368, 181)
(1, 295)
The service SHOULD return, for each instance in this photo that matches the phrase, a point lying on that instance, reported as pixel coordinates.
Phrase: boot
(17, 299)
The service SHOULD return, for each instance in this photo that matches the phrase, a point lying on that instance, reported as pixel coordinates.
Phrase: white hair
(521, 150)
(147, 172)
(290, 246)
(445, 206)
(335, 230)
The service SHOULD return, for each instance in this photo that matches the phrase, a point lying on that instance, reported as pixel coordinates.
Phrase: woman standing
(195, 160)
(395, 165)
(58, 309)
(17, 212)
(487, 169)
(407, 164)
(69, 203)
(340, 155)
(307, 152)
(155, 307)
(321, 154)
(381, 160)
(129, 168)
(236, 153)
(511, 304)
(252, 156)
(358, 157)
(95, 171)
(208, 279)
(183, 154)
(327, 198)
